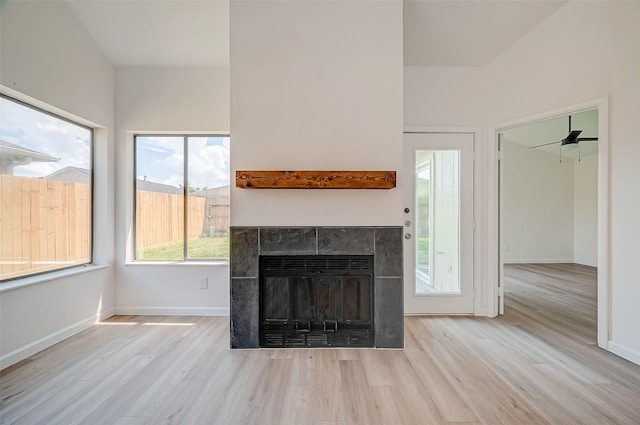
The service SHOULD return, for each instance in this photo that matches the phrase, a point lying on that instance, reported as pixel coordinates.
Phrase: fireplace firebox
(250, 244)
(316, 301)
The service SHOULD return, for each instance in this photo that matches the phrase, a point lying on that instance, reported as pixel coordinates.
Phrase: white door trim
(482, 293)
(604, 206)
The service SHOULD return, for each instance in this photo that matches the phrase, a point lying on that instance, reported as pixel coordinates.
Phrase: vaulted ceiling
(176, 33)
(158, 32)
(467, 32)
(196, 32)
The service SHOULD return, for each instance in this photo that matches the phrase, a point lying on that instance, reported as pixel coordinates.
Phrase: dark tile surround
(384, 243)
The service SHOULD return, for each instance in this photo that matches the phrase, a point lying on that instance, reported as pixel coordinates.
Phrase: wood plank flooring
(538, 364)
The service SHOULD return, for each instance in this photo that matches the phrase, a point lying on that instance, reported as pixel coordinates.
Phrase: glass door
(438, 223)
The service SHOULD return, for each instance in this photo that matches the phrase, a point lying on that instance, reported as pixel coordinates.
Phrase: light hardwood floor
(538, 364)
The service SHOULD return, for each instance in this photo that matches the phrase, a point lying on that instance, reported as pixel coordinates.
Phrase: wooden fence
(160, 218)
(216, 220)
(44, 225)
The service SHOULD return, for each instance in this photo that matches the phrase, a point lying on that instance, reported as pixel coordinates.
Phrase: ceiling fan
(571, 139)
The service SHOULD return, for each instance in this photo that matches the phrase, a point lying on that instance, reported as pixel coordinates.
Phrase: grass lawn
(203, 248)
(423, 251)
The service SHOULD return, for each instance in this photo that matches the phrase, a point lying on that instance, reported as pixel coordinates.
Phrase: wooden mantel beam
(315, 179)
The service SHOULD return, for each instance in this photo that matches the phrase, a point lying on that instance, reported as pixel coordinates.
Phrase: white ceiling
(436, 33)
(158, 32)
(196, 32)
(467, 32)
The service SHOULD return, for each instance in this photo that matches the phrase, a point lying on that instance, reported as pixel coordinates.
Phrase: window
(45, 191)
(182, 197)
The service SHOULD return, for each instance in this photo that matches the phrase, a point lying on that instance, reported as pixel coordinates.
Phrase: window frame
(91, 215)
(185, 189)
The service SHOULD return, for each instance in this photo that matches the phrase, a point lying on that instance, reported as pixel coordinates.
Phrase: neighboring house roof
(12, 155)
(217, 191)
(70, 174)
(165, 188)
(157, 187)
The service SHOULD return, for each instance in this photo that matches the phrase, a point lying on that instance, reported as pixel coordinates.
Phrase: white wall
(48, 56)
(527, 79)
(532, 77)
(443, 96)
(316, 86)
(585, 210)
(538, 211)
(165, 100)
(625, 180)
(550, 208)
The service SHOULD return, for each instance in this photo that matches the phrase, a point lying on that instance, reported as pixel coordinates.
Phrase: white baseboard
(625, 353)
(172, 311)
(583, 263)
(45, 342)
(538, 261)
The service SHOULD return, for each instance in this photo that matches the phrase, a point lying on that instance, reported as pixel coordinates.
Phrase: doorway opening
(552, 197)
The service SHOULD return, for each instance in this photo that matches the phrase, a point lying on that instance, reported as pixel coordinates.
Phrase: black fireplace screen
(316, 301)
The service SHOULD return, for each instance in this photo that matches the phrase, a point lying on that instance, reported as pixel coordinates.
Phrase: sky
(160, 159)
(29, 128)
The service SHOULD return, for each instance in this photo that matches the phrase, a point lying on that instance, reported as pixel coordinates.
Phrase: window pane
(423, 221)
(208, 197)
(45, 185)
(437, 222)
(164, 221)
(159, 198)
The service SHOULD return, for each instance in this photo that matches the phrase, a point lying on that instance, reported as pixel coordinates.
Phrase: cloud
(44, 133)
(160, 159)
(209, 162)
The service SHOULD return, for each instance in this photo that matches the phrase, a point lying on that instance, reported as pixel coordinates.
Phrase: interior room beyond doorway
(549, 196)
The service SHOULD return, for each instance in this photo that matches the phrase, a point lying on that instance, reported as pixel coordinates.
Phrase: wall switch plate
(204, 283)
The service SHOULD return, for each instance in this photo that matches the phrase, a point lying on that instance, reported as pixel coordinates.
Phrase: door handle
(407, 235)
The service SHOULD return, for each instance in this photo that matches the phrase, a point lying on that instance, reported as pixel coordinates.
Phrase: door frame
(604, 202)
(479, 307)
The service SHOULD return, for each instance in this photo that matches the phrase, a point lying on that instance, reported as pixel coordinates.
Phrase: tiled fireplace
(381, 246)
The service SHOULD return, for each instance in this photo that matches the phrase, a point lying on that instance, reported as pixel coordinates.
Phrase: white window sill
(213, 263)
(45, 277)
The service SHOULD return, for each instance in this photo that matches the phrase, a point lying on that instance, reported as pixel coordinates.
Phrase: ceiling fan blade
(586, 139)
(572, 136)
(544, 144)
